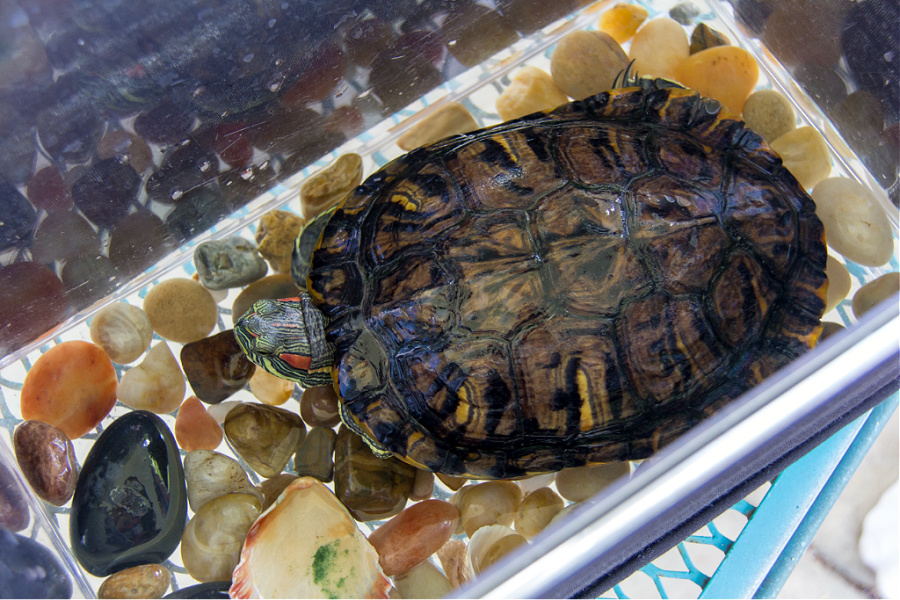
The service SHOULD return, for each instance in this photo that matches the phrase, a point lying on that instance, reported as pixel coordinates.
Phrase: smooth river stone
(156, 384)
(279, 285)
(212, 541)
(62, 236)
(269, 389)
(71, 386)
(47, 460)
(181, 310)
(210, 474)
(216, 367)
(580, 483)
(19, 218)
(315, 455)
(536, 511)
(144, 581)
(123, 331)
(195, 428)
(30, 570)
(205, 591)
(488, 503)
(14, 512)
(413, 535)
(422, 581)
(32, 301)
(319, 406)
(105, 193)
(370, 487)
(264, 436)
(228, 263)
(130, 503)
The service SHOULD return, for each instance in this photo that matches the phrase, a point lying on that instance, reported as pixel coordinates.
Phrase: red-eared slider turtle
(571, 287)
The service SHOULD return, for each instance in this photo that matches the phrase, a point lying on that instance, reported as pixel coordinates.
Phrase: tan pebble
(269, 389)
(195, 428)
(537, 510)
(280, 285)
(123, 331)
(725, 73)
(450, 119)
(622, 20)
(563, 513)
(422, 581)
(704, 37)
(531, 90)
(325, 188)
(413, 535)
(212, 540)
(423, 486)
(144, 581)
(491, 543)
(536, 482)
(856, 226)
(770, 114)
(272, 487)
(454, 557)
(581, 483)
(209, 475)
(319, 406)
(585, 63)
(488, 503)
(875, 292)
(829, 329)
(839, 282)
(220, 411)
(157, 384)
(805, 154)
(452, 483)
(181, 310)
(658, 48)
(275, 236)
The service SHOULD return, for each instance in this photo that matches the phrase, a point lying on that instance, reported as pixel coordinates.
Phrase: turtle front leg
(287, 338)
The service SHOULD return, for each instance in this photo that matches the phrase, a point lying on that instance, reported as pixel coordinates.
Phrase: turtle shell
(572, 287)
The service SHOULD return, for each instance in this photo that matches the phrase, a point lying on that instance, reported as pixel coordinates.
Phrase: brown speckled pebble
(144, 581)
(47, 460)
(181, 310)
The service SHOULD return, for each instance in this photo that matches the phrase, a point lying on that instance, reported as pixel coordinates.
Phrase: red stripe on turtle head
(298, 361)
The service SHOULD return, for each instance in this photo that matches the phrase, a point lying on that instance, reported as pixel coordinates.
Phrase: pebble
(188, 166)
(19, 218)
(212, 541)
(770, 114)
(276, 234)
(204, 591)
(210, 474)
(371, 488)
(488, 503)
(856, 226)
(423, 486)
(71, 386)
(280, 285)
(704, 37)
(63, 235)
(527, 17)
(143, 581)
(165, 123)
(491, 543)
(273, 487)
(46, 458)
(181, 310)
(536, 482)
(88, 278)
(829, 329)
(346, 121)
(450, 119)
(452, 483)
(232, 262)
(401, 75)
(195, 428)
(123, 331)
(805, 154)
(264, 436)
(18, 147)
(875, 292)
(422, 581)
(126, 148)
(325, 188)
(241, 185)
(307, 532)
(413, 535)
(585, 63)
(454, 557)
(48, 191)
(106, 192)
(68, 133)
(198, 209)
(429, 43)
(216, 367)
(319, 406)
(139, 241)
(530, 90)
(622, 21)
(804, 32)
(32, 291)
(269, 389)
(220, 411)
(315, 455)
(30, 569)
(839, 282)
(725, 73)
(658, 47)
(684, 13)
(581, 483)
(536, 511)
(320, 78)
(156, 384)
(363, 39)
(130, 503)
(475, 33)
(14, 512)
(232, 146)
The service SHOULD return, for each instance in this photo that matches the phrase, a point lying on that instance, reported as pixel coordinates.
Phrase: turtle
(573, 287)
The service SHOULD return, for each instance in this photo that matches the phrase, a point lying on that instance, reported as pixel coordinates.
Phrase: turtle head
(287, 338)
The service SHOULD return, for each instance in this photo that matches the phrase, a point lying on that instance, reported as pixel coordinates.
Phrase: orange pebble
(725, 73)
(72, 386)
(196, 429)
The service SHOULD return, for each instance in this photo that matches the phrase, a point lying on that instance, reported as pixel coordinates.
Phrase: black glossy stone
(196, 212)
(165, 123)
(105, 193)
(19, 218)
(869, 39)
(30, 570)
(212, 589)
(130, 503)
(184, 168)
